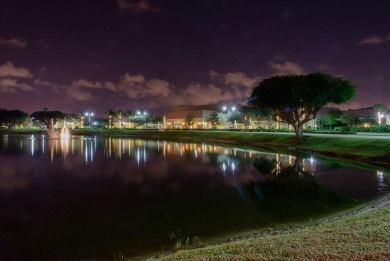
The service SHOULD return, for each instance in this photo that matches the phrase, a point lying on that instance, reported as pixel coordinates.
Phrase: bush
(379, 128)
(374, 128)
(359, 129)
(342, 129)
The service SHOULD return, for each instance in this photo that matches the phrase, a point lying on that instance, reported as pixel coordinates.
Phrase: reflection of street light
(89, 115)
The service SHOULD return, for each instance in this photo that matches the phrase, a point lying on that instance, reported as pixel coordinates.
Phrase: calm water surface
(100, 197)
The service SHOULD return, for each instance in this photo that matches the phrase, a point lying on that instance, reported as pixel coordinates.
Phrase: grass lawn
(364, 235)
(345, 147)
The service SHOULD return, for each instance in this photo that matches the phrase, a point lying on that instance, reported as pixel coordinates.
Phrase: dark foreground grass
(362, 236)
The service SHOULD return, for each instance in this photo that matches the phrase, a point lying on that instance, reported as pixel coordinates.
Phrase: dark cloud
(77, 54)
(136, 5)
(13, 43)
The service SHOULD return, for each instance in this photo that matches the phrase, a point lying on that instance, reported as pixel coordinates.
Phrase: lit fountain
(64, 135)
(53, 134)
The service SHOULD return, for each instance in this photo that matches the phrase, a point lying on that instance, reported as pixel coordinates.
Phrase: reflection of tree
(293, 193)
(264, 165)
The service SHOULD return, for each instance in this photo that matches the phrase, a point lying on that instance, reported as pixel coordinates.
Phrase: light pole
(89, 115)
(229, 112)
(141, 116)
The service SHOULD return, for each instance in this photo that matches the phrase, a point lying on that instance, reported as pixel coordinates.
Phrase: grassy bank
(366, 149)
(350, 147)
(360, 235)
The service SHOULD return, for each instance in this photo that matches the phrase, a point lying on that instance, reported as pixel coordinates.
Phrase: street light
(225, 108)
(142, 116)
(229, 112)
(89, 115)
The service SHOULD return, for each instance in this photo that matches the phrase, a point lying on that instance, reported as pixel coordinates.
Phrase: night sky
(79, 55)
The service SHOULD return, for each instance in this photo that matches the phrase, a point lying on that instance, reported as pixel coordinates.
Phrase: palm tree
(110, 114)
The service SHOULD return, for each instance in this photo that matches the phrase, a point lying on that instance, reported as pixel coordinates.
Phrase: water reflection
(293, 190)
(117, 194)
(134, 156)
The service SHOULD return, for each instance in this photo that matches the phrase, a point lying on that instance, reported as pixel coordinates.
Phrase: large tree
(46, 116)
(12, 118)
(296, 99)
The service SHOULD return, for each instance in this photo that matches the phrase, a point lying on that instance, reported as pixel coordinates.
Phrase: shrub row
(374, 128)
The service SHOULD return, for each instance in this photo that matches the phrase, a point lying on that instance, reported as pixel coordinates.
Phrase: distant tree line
(291, 99)
(10, 119)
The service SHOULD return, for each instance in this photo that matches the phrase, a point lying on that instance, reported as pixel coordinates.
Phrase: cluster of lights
(89, 115)
(225, 108)
(139, 113)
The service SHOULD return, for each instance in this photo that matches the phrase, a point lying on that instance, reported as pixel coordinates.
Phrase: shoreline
(380, 202)
(357, 212)
(374, 151)
(354, 211)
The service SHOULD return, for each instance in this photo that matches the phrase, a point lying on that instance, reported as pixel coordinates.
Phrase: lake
(102, 197)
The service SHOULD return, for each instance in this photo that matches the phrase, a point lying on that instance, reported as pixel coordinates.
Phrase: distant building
(362, 114)
(366, 116)
(200, 113)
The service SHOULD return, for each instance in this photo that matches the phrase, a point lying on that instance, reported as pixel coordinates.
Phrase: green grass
(345, 147)
(365, 236)
(364, 147)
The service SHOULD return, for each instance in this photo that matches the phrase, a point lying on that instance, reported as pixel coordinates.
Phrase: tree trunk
(298, 129)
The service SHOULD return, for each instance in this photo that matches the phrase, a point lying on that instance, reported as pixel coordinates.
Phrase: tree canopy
(140, 118)
(46, 116)
(331, 118)
(189, 120)
(12, 118)
(296, 99)
(213, 118)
